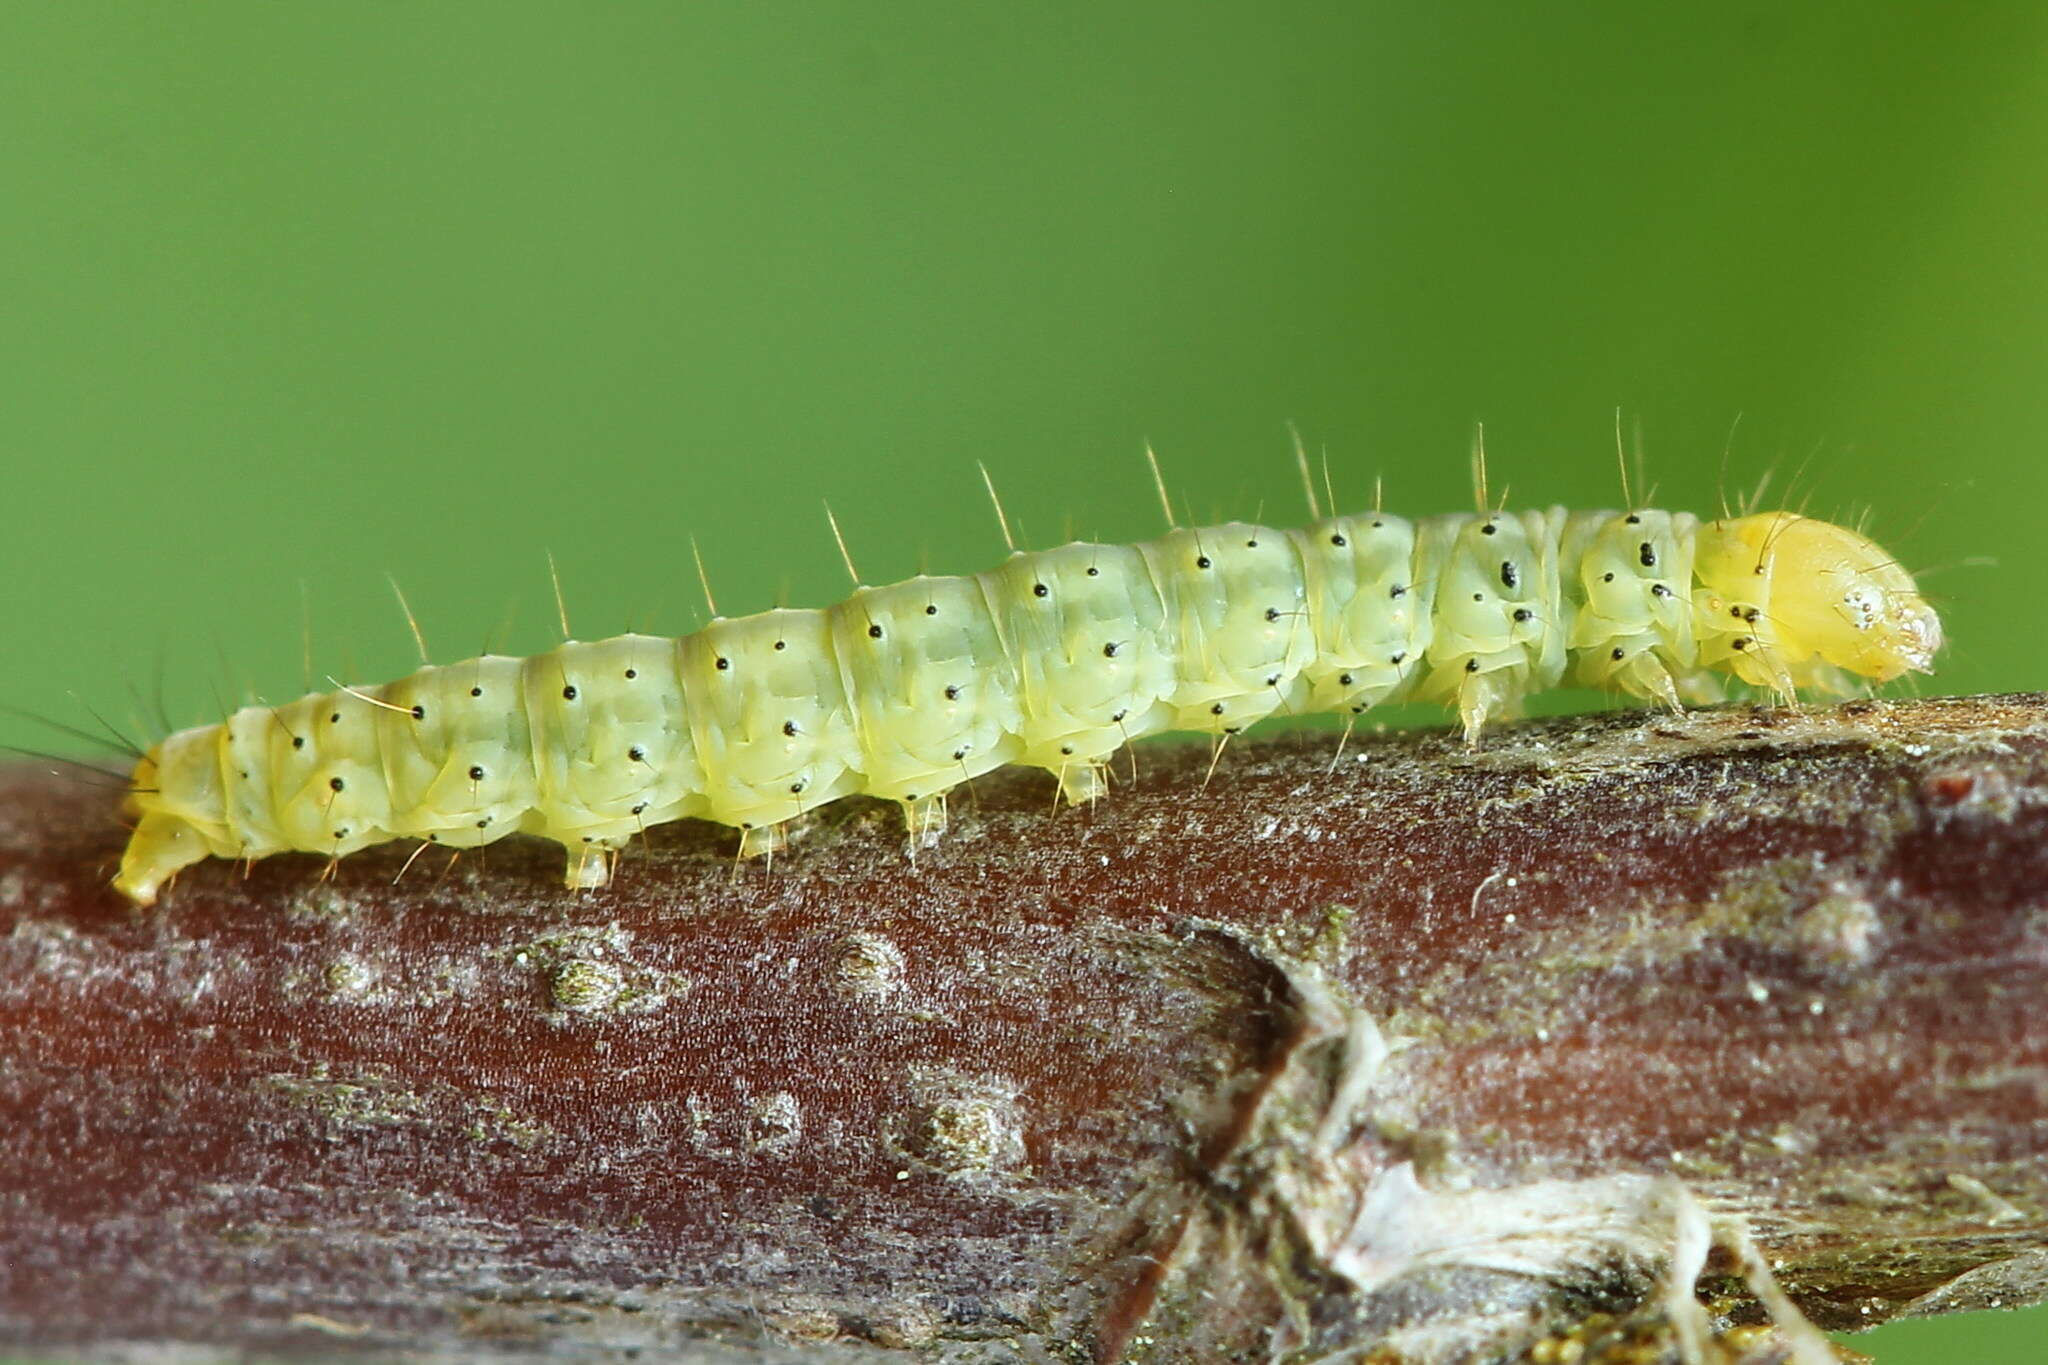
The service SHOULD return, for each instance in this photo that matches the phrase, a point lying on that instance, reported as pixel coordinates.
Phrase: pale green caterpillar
(1055, 659)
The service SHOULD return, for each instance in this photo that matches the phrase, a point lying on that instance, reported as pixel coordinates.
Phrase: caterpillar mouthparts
(1055, 659)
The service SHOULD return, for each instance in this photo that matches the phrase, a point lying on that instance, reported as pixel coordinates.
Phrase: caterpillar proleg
(1056, 659)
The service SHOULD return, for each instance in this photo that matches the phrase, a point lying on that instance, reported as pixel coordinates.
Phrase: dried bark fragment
(1435, 1055)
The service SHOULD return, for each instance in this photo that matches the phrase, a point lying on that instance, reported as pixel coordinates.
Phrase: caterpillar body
(1056, 659)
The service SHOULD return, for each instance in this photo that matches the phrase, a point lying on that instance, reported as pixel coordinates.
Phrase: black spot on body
(1633, 520)
(782, 644)
(1648, 554)
(952, 693)
(724, 663)
(1217, 709)
(1523, 613)
(1489, 529)
(419, 713)
(1619, 654)
(476, 774)
(1040, 590)
(1109, 650)
(632, 672)
(637, 754)
(1201, 561)
(1397, 590)
(298, 741)
(931, 611)
(476, 691)
(569, 693)
(1509, 575)
(1471, 665)
(1339, 541)
(336, 783)
(789, 728)
(874, 632)
(1094, 572)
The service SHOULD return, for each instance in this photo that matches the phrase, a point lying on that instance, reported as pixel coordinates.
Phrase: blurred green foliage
(313, 294)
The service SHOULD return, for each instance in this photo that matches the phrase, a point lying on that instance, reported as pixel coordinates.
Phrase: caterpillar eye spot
(1607, 578)
(569, 694)
(476, 774)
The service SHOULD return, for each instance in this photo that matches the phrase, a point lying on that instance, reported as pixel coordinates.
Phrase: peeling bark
(1430, 1056)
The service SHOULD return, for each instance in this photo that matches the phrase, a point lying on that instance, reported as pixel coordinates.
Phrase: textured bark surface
(1432, 1055)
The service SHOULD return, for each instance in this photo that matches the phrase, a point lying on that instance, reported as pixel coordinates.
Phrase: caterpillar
(1055, 659)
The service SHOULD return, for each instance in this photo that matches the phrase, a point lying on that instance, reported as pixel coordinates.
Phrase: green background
(312, 294)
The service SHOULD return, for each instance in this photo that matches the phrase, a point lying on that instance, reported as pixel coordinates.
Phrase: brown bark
(1433, 1053)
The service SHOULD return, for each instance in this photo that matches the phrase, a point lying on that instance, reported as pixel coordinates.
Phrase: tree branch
(1435, 1051)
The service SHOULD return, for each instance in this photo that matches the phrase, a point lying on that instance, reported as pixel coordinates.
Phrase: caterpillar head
(1788, 598)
